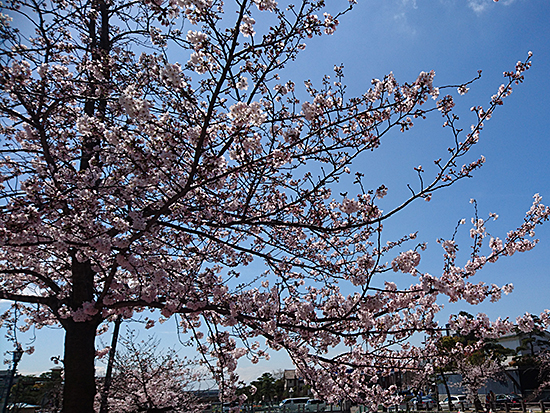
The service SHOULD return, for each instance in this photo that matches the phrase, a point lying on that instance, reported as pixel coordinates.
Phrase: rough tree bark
(79, 354)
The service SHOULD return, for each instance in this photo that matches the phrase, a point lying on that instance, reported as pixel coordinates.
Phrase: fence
(523, 407)
(299, 408)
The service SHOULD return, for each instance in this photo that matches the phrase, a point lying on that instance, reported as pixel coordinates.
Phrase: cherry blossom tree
(154, 159)
(543, 366)
(474, 358)
(148, 380)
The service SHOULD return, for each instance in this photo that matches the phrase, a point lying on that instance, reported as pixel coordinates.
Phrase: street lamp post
(17, 354)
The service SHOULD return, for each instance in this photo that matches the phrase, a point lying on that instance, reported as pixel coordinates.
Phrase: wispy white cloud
(400, 16)
(403, 25)
(407, 2)
(479, 6)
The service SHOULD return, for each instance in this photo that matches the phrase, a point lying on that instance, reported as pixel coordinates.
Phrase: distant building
(294, 384)
(527, 343)
(207, 396)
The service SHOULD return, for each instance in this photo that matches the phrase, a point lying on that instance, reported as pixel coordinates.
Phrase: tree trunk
(104, 408)
(79, 389)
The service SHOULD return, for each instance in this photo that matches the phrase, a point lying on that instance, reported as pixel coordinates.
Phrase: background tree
(474, 358)
(267, 389)
(530, 359)
(146, 379)
(43, 391)
(543, 378)
(151, 153)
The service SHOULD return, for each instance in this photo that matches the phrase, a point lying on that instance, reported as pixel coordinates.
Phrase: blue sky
(455, 38)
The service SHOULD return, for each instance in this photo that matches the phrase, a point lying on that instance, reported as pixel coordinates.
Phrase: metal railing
(524, 407)
(299, 408)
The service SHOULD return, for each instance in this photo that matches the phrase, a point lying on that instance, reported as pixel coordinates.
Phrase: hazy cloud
(400, 12)
(479, 6)
(403, 25)
(407, 2)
